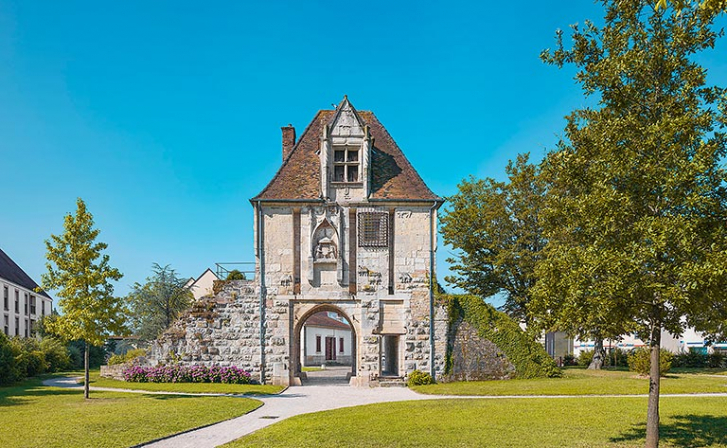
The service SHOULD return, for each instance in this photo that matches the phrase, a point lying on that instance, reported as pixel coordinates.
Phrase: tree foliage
(81, 277)
(158, 302)
(496, 230)
(635, 216)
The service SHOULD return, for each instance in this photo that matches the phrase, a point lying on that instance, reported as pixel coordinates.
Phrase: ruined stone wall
(474, 358)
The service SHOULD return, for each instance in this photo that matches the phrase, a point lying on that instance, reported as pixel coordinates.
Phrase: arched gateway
(347, 225)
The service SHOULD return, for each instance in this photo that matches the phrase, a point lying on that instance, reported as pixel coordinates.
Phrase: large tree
(495, 228)
(81, 277)
(635, 218)
(158, 302)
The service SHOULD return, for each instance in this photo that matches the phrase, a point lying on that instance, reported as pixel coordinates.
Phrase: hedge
(527, 355)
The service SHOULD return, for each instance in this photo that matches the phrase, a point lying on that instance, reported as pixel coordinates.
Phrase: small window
(345, 164)
(32, 305)
(17, 301)
(26, 303)
(318, 344)
(17, 327)
(340, 345)
(373, 229)
(6, 298)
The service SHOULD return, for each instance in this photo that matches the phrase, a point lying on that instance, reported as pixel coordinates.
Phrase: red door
(330, 349)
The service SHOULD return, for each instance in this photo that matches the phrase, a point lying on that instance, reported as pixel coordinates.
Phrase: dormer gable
(345, 155)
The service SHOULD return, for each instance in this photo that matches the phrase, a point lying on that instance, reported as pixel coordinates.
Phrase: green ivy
(527, 355)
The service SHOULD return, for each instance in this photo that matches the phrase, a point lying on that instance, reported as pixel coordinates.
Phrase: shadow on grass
(684, 430)
(13, 396)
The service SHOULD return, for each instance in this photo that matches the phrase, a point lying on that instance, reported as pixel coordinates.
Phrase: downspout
(431, 290)
(261, 267)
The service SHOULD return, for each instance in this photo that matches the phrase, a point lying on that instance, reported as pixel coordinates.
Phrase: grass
(578, 381)
(215, 388)
(530, 422)
(38, 416)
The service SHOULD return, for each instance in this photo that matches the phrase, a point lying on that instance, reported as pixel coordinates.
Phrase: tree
(635, 216)
(496, 229)
(82, 277)
(157, 303)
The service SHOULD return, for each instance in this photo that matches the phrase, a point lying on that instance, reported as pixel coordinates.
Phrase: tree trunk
(85, 362)
(597, 361)
(652, 416)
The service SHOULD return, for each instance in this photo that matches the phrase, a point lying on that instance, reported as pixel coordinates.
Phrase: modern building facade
(22, 306)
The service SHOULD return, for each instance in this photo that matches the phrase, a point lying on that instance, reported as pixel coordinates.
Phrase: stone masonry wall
(475, 358)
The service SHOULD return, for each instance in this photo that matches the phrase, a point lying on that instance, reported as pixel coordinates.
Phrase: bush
(9, 371)
(235, 275)
(691, 359)
(616, 358)
(585, 358)
(716, 360)
(419, 378)
(55, 354)
(128, 356)
(640, 361)
(187, 374)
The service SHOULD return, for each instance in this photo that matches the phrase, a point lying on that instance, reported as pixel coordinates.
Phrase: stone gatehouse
(345, 225)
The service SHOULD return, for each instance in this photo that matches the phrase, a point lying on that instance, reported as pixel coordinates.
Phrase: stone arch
(307, 310)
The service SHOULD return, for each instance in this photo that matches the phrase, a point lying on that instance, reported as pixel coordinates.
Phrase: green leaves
(81, 276)
(495, 228)
(157, 303)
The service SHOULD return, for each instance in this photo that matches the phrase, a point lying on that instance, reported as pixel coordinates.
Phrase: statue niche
(325, 254)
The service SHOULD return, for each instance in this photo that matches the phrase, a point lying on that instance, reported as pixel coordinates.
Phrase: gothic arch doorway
(325, 345)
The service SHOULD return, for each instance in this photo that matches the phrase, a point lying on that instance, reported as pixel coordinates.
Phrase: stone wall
(474, 358)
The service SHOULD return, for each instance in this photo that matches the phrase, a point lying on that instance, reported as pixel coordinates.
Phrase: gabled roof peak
(346, 109)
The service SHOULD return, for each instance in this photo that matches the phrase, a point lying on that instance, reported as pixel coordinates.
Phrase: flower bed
(187, 374)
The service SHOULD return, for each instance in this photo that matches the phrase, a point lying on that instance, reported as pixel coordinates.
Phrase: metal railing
(247, 268)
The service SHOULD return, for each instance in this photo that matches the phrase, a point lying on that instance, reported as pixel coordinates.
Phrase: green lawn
(216, 388)
(527, 422)
(576, 381)
(37, 416)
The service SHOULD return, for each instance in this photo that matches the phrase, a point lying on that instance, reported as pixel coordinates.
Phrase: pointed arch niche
(325, 254)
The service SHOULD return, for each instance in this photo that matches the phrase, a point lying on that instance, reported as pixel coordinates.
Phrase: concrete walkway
(306, 399)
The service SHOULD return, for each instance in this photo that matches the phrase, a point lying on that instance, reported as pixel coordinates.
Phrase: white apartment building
(22, 306)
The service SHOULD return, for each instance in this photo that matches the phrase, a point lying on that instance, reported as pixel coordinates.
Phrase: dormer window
(346, 164)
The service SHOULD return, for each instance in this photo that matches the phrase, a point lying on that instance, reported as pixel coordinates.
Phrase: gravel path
(306, 399)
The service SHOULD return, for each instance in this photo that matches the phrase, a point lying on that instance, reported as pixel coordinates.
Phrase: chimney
(288, 140)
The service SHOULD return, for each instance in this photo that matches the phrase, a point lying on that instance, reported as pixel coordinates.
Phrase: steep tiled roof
(322, 320)
(392, 177)
(13, 273)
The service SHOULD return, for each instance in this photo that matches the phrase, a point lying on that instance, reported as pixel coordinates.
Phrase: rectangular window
(26, 328)
(373, 229)
(32, 327)
(25, 308)
(17, 302)
(32, 305)
(6, 323)
(42, 307)
(17, 327)
(345, 164)
(6, 298)
(340, 345)
(318, 344)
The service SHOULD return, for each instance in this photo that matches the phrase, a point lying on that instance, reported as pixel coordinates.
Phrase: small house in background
(327, 340)
(202, 286)
(22, 305)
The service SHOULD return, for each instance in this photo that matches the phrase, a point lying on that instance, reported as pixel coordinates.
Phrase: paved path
(306, 399)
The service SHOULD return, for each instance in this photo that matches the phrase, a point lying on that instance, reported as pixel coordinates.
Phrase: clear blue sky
(165, 116)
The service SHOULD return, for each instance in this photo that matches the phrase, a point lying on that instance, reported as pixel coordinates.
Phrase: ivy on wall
(527, 355)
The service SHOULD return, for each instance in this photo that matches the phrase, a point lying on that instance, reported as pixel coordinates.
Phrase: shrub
(235, 275)
(640, 361)
(55, 354)
(716, 360)
(690, 358)
(585, 358)
(186, 374)
(9, 371)
(127, 357)
(419, 378)
(76, 356)
(570, 360)
(617, 358)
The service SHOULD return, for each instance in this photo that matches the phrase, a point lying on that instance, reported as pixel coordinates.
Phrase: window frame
(373, 229)
(346, 164)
